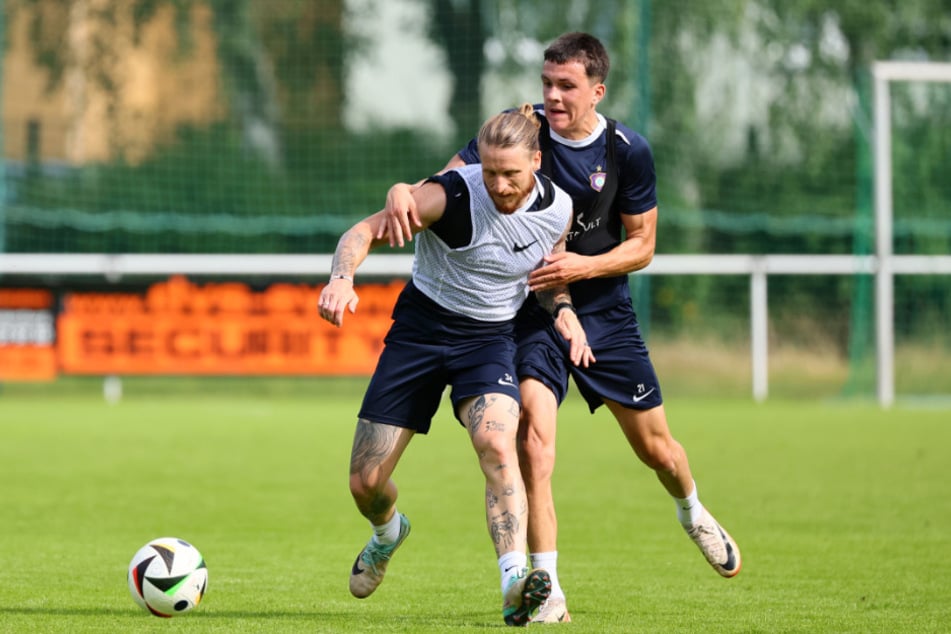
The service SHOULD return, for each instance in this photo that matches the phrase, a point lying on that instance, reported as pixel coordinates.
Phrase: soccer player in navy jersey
(608, 170)
(484, 228)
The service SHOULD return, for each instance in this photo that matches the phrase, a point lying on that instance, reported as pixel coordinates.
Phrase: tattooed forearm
(550, 298)
(554, 296)
(372, 443)
(351, 250)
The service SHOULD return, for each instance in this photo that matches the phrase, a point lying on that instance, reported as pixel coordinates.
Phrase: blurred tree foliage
(262, 49)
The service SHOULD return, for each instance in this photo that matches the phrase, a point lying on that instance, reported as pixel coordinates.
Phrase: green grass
(842, 512)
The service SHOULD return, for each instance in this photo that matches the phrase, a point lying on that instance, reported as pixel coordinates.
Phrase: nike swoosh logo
(356, 569)
(730, 557)
(518, 247)
(638, 398)
(504, 382)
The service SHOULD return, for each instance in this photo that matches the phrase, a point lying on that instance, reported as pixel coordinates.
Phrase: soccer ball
(168, 576)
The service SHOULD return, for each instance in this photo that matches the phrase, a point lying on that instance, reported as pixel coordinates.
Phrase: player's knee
(537, 459)
(365, 485)
(660, 456)
(662, 465)
(496, 450)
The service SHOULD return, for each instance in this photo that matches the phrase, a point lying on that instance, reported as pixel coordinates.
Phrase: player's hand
(400, 212)
(559, 269)
(568, 326)
(338, 295)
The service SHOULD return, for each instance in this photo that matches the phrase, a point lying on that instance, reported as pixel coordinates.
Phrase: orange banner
(25, 298)
(27, 363)
(178, 327)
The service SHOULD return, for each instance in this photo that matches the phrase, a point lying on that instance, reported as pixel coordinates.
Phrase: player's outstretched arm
(402, 214)
(352, 249)
(354, 246)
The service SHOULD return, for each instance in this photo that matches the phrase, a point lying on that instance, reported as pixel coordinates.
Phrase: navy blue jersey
(579, 167)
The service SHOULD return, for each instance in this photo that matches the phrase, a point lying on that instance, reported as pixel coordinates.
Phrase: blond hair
(512, 128)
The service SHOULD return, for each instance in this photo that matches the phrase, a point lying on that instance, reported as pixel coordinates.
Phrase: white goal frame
(884, 73)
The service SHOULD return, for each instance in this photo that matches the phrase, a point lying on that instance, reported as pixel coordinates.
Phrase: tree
(868, 32)
(263, 52)
(249, 77)
(466, 58)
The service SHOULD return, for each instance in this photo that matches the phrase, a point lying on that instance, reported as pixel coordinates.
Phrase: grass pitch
(841, 511)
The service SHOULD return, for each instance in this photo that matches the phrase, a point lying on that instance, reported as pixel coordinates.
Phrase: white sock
(388, 533)
(511, 564)
(689, 508)
(549, 563)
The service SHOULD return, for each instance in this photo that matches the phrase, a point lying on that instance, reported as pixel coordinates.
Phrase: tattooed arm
(352, 249)
(354, 246)
(557, 301)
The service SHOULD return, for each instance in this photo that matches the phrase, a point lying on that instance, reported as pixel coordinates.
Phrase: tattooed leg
(492, 421)
(376, 450)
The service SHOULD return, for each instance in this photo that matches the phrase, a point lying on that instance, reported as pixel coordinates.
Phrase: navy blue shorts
(428, 348)
(623, 371)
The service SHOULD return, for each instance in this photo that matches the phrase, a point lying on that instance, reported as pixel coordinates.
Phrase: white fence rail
(757, 267)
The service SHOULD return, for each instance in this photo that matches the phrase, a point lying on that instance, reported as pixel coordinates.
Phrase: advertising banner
(27, 350)
(178, 327)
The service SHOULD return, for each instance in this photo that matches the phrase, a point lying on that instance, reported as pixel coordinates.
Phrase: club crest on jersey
(597, 181)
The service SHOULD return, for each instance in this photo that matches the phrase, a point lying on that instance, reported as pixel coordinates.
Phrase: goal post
(884, 73)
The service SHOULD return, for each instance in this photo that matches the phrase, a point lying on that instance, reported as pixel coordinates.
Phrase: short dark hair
(580, 47)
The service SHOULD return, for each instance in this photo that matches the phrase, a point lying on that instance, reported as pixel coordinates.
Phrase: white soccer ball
(168, 576)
